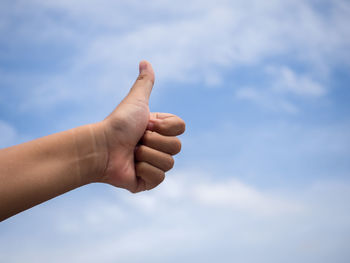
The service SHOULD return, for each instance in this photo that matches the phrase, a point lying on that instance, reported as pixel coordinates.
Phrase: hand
(139, 145)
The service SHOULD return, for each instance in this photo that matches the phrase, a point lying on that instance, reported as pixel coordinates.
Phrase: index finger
(166, 124)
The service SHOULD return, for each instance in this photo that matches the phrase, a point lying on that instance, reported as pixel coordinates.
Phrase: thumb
(143, 85)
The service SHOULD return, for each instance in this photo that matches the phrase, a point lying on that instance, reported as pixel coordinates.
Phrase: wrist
(92, 154)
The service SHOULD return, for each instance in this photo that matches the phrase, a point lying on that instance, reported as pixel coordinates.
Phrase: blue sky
(264, 89)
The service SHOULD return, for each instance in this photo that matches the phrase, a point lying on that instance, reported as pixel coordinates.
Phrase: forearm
(34, 172)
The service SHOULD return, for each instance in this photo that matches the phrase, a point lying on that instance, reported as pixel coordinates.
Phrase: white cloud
(186, 45)
(266, 99)
(283, 85)
(227, 194)
(187, 220)
(283, 88)
(299, 84)
(233, 194)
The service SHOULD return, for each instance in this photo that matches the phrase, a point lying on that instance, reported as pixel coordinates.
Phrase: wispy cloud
(283, 89)
(186, 218)
(235, 195)
(186, 45)
(266, 99)
(288, 81)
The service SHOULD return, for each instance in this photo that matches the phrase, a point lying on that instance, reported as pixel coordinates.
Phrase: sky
(263, 86)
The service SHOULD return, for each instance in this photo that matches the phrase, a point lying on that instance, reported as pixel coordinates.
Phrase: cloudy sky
(264, 89)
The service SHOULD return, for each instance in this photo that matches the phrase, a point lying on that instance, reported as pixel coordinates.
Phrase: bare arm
(132, 149)
(36, 171)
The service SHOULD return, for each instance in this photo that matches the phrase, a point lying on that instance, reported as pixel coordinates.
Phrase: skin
(131, 149)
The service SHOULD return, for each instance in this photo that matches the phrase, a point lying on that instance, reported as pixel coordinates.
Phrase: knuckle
(162, 126)
(147, 137)
(170, 163)
(145, 77)
(158, 178)
(141, 76)
(141, 167)
(176, 146)
(141, 150)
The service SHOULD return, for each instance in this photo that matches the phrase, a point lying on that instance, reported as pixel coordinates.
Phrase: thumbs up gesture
(139, 144)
